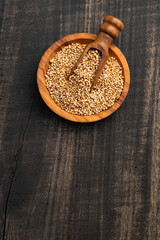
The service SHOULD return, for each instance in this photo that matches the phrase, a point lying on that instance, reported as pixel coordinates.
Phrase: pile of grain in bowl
(74, 95)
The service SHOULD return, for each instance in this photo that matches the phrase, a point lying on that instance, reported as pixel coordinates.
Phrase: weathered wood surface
(64, 180)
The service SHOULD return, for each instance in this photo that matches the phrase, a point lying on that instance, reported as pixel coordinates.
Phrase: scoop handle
(109, 30)
(111, 26)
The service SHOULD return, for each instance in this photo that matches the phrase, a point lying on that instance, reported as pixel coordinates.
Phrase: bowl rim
(45, 93)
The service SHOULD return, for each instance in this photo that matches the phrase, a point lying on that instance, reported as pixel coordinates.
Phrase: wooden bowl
(83, 38)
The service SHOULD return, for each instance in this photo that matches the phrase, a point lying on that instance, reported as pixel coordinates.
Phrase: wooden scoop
(109, 30)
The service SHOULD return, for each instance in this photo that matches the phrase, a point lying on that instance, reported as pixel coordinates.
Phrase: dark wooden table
(71, 181)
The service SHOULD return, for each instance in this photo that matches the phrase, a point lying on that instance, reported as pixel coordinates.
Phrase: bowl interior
(82, 38)
(81, 41)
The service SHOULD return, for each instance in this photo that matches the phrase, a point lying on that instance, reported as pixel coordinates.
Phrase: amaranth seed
(74, 95)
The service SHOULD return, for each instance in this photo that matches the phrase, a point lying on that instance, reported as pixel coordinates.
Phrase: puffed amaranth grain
(74, 95)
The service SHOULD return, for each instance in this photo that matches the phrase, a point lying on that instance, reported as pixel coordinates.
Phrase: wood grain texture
(86, 38)
(64, 180)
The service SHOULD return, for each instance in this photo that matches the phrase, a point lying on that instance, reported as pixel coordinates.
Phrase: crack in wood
(14, 162)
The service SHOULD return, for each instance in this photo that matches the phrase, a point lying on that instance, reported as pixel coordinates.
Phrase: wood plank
(64, 180)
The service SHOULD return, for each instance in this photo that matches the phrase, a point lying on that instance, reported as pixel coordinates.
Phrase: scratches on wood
(75, 181)
(152, 73)
(88, 15)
